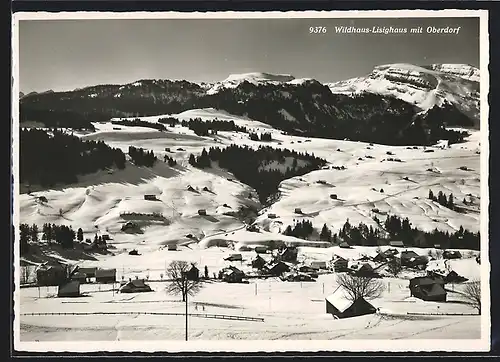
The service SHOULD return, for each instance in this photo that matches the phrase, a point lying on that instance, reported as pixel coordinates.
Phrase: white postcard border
(482, 344)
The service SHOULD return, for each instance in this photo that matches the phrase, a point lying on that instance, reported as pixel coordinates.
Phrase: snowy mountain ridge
(422, 86)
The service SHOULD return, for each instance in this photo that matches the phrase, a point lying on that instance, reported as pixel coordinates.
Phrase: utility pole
(184, 283)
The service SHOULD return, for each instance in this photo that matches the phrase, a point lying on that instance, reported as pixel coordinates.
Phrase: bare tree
(472, 293)
(179, 283)
(360, 287)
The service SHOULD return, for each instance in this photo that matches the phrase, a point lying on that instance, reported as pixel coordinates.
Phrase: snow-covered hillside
(234, 80)
(423, 87)
(369, 185)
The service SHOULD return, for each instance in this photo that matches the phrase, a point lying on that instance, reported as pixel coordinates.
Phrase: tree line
(141, 157)
(443, 200)
(266, 136)
(61, 234)
(393, 228)
(137, 122)
(253, 171)
(47, 159)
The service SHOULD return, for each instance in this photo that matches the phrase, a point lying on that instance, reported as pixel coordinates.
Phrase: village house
(452, 254)
(258, 262)
(340, 305)
(193, 273)
(202, 212)
(69, 289)
(150, 197)
(51, 273)
(105, 276)
(172, 247)
(428, 289)
(366, 270)
(271, 216)
(408, 257)
(232, 275)
(135, 286)
(298, 210)
(79, 276)
(278, 268)
(89, 272)
(340, 265)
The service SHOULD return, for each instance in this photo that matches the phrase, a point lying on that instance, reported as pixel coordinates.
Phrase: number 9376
(317, 30)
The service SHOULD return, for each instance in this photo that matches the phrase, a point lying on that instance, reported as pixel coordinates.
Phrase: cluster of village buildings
(283, 264)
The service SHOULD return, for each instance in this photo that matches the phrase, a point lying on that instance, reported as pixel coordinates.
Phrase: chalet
(133, 252)
(232, 275)
(278, 268)
(150, 197)
(340, 265)
(288, 254)
(344, 245)
(135, 286)
(452, 254)
(69, 289)
(333, 196)
(234, 257)
(271, 216)
(193, 273)
(261, 249)
(172, 247)
(380, 258)
(190, 188)
(298, 210)
(51, 273)
(408, 257)
(428, 289)
(202, 212)
(258, 262)
(105, 275)
(339, 305)
(396, 244)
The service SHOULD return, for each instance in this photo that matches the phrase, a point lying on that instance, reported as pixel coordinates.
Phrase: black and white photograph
(302, 181)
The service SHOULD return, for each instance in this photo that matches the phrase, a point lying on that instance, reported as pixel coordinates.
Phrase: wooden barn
(105, 276)
(135, 286)
(340, 305)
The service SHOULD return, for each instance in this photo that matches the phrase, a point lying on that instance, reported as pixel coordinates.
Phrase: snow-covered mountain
(422, 86)
(256, 78)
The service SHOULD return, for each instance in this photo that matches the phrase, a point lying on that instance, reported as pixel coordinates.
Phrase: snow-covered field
(290, 311)
(99, 203)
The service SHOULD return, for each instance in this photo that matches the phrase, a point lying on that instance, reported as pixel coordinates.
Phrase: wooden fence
(199, 315)
(445, 314)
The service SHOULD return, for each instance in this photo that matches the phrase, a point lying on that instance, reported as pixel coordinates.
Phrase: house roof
(339, 299)
(409, 254)
(71, 286)
(397, 243)
(435, 289)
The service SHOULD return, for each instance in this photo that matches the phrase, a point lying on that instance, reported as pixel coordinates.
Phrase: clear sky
(69, 54)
